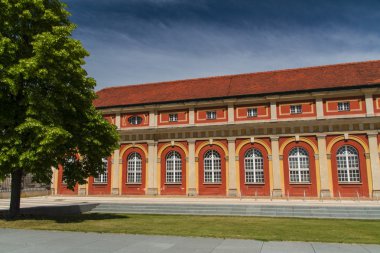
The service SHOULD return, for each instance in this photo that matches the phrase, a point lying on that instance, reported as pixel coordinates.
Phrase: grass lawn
(259, 228)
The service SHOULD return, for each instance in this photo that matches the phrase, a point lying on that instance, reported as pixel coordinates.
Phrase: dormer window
(343, 106)
(295, 109)
(211, 115)
(251, 112)
(135, 120)
(173, 117)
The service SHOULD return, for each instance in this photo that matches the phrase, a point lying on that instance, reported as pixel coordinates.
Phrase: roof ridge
(236, 75)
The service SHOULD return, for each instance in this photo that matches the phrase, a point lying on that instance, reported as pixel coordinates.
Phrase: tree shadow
(65, 218)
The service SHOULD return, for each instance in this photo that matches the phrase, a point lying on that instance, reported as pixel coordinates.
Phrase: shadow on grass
(69, 218)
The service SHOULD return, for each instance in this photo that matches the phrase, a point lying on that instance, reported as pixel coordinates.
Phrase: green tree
(46, 112)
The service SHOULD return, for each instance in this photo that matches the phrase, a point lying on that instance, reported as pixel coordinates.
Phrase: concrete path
(28, 241)
(69, 200)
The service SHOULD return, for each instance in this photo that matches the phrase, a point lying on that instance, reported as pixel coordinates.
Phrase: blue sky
(140, 41)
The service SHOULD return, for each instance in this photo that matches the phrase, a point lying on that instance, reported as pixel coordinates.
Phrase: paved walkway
(68, 200)
(28, 241)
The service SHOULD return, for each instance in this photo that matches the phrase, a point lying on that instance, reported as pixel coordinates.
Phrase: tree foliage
(46, 111)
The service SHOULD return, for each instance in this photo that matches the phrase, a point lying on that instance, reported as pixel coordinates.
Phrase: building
(307, 132)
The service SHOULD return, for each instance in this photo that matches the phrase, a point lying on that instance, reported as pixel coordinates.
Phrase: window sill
(133, 183)
(300, 183)
(173, 183)
(350, 183)
(212, 183)
(254, 183)
(99, 183)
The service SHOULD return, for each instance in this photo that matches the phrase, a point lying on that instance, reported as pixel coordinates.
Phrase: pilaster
(115, 173)
(369, 105)
(319, 107)
(273, 110)
(152, 165)
(277, 185)
(231, 114)
(192, 187)
(232, 189)
(375, 166)
(323, 167)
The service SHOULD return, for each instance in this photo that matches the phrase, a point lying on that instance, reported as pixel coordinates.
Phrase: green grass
(259, 228)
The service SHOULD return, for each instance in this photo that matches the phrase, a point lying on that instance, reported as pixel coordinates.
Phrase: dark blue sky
(139, 41)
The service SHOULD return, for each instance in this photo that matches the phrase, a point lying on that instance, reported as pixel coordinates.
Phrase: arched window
(173, 167)
(299, 167)
(212, 167)
(254, 166)
(103, 177)
(134, 168)
(347, 159)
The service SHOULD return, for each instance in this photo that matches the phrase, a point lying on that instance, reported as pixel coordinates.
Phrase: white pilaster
(232, 190)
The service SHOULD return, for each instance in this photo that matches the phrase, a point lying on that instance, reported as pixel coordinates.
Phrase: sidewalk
(67, 200)
(17, 241)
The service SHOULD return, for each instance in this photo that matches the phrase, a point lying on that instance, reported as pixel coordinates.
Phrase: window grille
(348, 164)
(299, 167)
(173, 117)
(254, 166)
(211, 115)
(252, 112)
(343, 106)
(212, 167)
(135, 120)
(134, 169)
(103, 177)
(296, 109)
(173, 167)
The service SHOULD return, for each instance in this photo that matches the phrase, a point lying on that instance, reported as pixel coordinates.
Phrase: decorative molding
(328, 156)
(316, 156)
(281, 157)
(237, 158)
(270, 157)
(196, 159)
(367, 155)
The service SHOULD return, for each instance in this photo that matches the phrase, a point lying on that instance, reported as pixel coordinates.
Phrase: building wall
(320, 130)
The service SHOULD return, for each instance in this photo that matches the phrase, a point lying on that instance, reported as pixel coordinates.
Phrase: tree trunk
(14, 209)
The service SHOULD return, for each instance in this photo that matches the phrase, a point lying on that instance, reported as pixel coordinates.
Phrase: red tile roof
(357, 74)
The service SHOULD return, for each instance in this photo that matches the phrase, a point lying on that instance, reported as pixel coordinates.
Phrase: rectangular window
(343, 106)
(251, 112)
(173, 117)
(211, 115)
(102, 178)
(296, 109)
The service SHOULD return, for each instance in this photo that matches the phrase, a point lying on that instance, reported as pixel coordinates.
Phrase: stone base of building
(232, 193)
(325, 194)
(277, 193)
(191, 192)
(152, 191)
(82, 192)
(376, 194)
(115, 191)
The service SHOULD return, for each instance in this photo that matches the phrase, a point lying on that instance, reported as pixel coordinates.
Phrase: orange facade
(356, 104)
(263, 112)
(307, 109)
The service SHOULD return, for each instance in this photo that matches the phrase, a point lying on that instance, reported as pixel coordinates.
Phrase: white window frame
(103, 177)
(344, 106)
(173, 167)
(299, 155)
(295, 109)
(173, 117)
(211, 114)
(251, 112)
(212, 165)
(348, 155)
(134, 168)
(253, 166)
